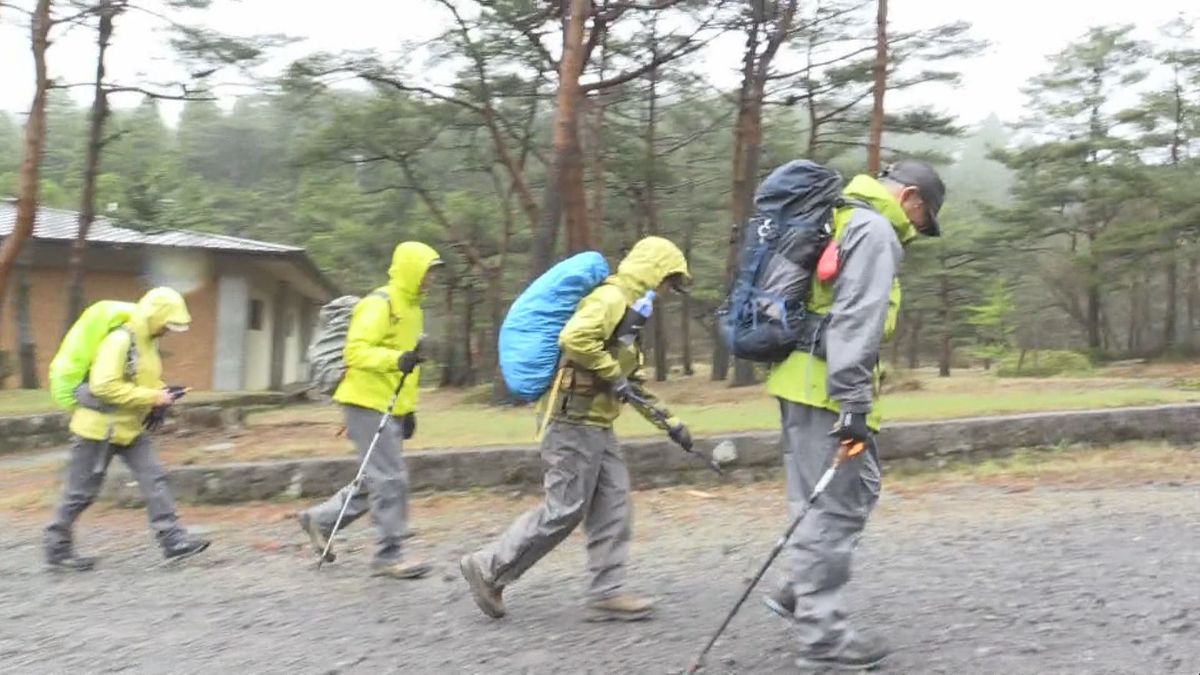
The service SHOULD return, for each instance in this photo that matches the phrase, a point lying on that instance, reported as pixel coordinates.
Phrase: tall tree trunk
(568, 155)
(599, 177)
(914, 345)
(1132, 343)
(26, 347)
(747, 147)
(1094, 307)
(449, 358)
(660, 309)
(944, 309)
(35, 140)
(91, 169)
(880, 70)
(1193, 297)
(685, 312)
(1170, 321)
(467, 376)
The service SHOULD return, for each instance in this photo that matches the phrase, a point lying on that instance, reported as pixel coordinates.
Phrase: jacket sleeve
(107, 376)
(870, 255)
(583, 340)
(369, 324)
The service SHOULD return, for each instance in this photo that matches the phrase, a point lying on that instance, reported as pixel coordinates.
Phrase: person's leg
(570, 462)
(317, 521)
(609, 526)
(386, 481)
(822, 546)
(142, 461)
(86, 466)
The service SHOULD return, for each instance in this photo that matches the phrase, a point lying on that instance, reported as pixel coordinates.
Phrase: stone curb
(19, 433)
(658, 462)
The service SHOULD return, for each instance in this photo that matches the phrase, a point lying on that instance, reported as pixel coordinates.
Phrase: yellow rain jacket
(592, 358)
(130, 385)
(383, 328)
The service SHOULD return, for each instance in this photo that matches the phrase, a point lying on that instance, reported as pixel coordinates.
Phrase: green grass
(445, 421)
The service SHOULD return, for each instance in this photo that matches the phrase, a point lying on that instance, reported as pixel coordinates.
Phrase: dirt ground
(1087, 575)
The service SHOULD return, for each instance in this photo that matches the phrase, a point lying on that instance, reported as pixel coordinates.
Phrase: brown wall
(187, 357)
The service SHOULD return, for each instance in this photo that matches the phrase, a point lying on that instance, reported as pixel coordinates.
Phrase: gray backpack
(327, 365)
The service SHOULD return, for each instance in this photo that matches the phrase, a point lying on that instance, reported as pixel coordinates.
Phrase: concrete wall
(658, 462)
(233, 293)
(257, 363)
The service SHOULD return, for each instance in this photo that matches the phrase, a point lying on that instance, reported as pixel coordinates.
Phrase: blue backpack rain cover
(529, 335)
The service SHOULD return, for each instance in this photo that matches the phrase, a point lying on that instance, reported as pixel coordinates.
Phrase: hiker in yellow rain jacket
(124, 388)
(586, 480)
(828, 400)
(381, 347)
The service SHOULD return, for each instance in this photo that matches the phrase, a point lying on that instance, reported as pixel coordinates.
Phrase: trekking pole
(846, 450)
(661, 417)
(356, 484)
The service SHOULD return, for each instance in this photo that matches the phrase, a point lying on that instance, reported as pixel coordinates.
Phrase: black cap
(921, 175)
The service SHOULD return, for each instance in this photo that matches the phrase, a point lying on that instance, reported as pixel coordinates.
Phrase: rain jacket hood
(648, 263)
(157, 308)
(411, 261)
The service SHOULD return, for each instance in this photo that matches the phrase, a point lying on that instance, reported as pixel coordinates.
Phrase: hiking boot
(488, 596)
(184, 547)
(782, 602)
(316, 536)
(400, 569)
(69, 562)
(861, 652)
(622, 607)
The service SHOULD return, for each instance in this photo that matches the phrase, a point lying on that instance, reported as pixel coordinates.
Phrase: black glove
(155, 419)
(408, 361)
(621, 388)
(852, 426)
(176, 392)
(408, 425)
(680, 434)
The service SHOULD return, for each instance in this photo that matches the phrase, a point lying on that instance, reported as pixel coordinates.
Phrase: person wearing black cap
(831, 386)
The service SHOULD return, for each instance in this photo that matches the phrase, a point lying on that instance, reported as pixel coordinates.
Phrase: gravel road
(968, 580)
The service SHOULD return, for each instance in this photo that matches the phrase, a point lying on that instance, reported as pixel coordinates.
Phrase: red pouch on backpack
(827, 264)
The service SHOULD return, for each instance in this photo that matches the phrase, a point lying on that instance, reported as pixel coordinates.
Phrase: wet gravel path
(973, 580)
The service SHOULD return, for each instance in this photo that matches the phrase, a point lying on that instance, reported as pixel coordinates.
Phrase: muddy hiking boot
(859, 653)
(183, 547)
(67, 561)
(488, 596)
(400, 569)
(622, 607)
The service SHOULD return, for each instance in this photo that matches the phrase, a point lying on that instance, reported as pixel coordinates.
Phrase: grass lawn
(452, 419)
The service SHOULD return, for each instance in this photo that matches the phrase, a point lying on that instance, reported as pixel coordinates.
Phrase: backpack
(71, 363)
(764, 317)
(528, 344)
(326, 362)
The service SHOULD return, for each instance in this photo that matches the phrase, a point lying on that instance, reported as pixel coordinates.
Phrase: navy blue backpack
(764, 317)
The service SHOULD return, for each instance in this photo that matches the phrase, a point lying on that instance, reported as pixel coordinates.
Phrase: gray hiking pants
(585, 481)
(86, 468)
(821, 547)
(384, 490)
